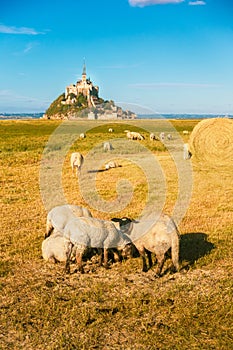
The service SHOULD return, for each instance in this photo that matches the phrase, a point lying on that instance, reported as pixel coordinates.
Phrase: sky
(150, 56)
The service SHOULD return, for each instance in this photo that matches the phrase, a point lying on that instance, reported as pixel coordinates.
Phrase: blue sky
(164, 56)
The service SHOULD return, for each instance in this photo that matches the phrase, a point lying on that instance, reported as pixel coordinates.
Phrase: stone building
(84, 87)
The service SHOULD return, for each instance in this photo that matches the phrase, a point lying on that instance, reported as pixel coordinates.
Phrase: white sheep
(54, 248)
(59, 216)
(82, 136)
(133, 135)
(110, 130)
(82, 233)
(169, 136)
(153, 137)
(160, 235)
(76, 161)
(187, 154)
(107, 146)
(110, 164)
(185, 132)
(162, 136)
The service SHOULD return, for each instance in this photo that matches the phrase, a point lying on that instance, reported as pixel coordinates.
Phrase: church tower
(84, 74)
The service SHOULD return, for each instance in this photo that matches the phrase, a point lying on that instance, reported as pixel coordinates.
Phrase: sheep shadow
(96, 171)
(193, 246)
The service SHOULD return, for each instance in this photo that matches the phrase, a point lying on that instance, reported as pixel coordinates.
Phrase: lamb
(76, 161)
(110, 164)
(160, 235)
(54, 248)
(59, 216)
(107, 146)
(85, 232)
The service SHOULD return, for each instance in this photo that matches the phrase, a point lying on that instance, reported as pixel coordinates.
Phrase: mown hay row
(211, 141)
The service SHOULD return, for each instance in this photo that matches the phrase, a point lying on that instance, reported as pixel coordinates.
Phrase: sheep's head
(125, 223)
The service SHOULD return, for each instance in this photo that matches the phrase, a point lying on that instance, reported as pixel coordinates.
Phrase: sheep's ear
(116, 219)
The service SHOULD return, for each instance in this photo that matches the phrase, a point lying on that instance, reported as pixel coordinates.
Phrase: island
(82, 101)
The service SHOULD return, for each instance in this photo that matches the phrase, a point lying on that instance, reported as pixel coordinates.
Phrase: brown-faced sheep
(153, 235)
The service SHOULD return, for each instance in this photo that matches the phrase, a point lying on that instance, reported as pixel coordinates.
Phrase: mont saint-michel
(82, 101)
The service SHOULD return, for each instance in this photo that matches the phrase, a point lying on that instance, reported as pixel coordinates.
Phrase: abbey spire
(84, 74)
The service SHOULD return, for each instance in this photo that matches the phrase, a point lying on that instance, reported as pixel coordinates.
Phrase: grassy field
(122, 307)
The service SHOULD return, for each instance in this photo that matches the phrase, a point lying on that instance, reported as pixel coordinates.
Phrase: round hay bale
(211, 141)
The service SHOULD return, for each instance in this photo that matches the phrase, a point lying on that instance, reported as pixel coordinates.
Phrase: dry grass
(119, 308)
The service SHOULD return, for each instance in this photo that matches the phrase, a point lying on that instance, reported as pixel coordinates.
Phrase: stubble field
(122, 307)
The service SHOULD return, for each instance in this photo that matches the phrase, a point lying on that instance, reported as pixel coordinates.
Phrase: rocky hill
(81, 100)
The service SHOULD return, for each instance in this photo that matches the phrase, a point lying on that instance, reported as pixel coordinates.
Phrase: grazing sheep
(82, 136)
(107, 146)
(169, 136)
(59, 216)
(110, 164)
(187, 153)
(153, 137)
(185, 132)
(162, 136)
(84, 232)
(132, 135)
(110, 130)
(160, 235)
(76, 161)
(54, 248)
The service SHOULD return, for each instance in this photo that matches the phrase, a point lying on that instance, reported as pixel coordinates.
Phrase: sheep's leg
(161, 260)
(68, 255)
(79, 256)
(143, 255)
(49, 229)
(106, 258)
(116, 254)
(149, 258)
(100, 252)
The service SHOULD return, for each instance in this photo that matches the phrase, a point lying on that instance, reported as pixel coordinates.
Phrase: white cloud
(197, 3)
(18, 30)
(142, 3)
(29, 47)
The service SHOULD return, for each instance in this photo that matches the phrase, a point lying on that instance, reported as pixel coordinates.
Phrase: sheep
(76, 161)
(59, 216)
(110, 164)
(82, 136)
(85, 232)
(107, 146)
(132, 135)
(161, 234)
(162, 136)
(54, 248)
(187, 154)
(153, 137)
(110, 130)
(169, 136)
(185, 132)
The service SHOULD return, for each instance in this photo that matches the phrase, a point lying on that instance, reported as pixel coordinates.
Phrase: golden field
(122, 307)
